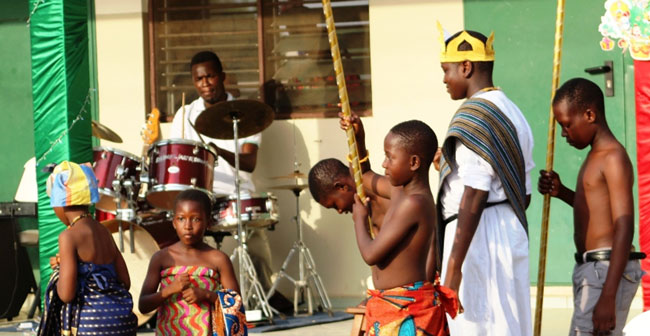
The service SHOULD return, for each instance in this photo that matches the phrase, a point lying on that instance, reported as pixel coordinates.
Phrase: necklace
(489, 88)
(78, 218)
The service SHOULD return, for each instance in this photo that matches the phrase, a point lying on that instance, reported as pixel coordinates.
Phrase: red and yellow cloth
(226, 317)
(417, 309)
(177, 317)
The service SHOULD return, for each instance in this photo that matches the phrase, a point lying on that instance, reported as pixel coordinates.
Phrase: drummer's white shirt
(224, 173)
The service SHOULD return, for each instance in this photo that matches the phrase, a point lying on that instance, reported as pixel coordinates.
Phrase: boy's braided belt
(604, 256)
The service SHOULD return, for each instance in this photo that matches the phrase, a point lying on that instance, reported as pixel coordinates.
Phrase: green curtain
(64, 97)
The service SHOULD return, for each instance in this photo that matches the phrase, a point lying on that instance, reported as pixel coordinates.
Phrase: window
(273, 50)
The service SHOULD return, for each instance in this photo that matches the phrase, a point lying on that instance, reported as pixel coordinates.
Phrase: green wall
(524, 38)
(16, 118)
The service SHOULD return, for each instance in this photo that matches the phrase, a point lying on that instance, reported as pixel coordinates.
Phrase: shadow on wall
(282, 148)
(342, 266)
(328, 235)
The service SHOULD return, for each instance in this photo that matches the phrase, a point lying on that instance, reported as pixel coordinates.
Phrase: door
(524, 36)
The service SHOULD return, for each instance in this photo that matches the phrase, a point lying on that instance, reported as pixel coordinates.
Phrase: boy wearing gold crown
(484, 190)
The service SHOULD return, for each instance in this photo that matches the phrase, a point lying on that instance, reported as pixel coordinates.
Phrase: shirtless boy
(332, 186)
(607, 274)
(404, 299)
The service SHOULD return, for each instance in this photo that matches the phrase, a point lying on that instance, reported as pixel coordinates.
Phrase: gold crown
(480, 52)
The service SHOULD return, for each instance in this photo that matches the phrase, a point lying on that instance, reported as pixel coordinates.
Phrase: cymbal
(216, 121)
(103, 132)
(295, 175)
(291, 187)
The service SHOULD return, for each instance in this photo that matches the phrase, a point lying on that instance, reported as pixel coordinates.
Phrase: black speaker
(16, 277)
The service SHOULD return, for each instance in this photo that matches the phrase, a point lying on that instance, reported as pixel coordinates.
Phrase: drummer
(208, 78)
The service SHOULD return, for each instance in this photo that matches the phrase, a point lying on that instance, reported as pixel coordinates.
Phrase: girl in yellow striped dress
(183, 279)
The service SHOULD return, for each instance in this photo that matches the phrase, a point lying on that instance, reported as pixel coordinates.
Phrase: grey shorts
(588, 280)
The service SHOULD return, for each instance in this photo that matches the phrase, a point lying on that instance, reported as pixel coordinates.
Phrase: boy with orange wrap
(408, 299)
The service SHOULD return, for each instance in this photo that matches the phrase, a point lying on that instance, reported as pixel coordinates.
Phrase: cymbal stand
(305, 260)
(130, 185)
(247, 272)
(124, 214)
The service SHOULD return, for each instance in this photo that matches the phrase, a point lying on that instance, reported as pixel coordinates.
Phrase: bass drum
(159, 225)
(137, 262)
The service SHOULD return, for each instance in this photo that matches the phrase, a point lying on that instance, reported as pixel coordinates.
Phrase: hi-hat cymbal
(216, 121)
(295, 175)
(103, 132)
(291, 187)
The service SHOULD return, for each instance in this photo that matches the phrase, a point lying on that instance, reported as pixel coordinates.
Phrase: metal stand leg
(256, 292)
(306, 271)
(247, 274)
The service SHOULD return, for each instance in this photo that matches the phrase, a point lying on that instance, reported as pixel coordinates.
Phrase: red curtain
(642, 98)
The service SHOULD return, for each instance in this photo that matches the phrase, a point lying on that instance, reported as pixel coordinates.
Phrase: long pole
(550, 149)
(345, 102)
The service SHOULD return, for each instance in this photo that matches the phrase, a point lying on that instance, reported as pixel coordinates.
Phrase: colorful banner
(626, 23)
(62, 96)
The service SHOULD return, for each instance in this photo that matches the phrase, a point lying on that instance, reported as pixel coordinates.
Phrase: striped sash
(485, 130)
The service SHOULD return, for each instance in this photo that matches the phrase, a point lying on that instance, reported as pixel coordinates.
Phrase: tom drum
(176, 165)
(106, 163)
(258, 210)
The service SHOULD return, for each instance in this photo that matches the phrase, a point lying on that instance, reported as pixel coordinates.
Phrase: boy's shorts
(588, 280)
(415, 309)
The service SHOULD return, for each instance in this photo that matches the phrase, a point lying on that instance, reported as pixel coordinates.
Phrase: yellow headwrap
(72, 184)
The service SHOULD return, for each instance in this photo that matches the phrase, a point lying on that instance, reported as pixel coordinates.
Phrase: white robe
(495, 288)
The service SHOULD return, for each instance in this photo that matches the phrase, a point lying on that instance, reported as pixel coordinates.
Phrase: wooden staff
(345, 102)
(550, 148)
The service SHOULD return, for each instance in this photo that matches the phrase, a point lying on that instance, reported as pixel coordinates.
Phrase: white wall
(407, 84)
(120, 70)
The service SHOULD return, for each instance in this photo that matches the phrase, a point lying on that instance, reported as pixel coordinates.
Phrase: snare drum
(106, 161)
(176, 165)
(258, 210)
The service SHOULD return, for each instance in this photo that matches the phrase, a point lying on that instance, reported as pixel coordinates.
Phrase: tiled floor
(556, 322)
(335, 329)
(556, 318)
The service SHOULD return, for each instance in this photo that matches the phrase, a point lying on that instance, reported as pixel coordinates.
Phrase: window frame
(152, 83)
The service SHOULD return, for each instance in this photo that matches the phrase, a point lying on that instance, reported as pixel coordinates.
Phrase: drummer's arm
(247, 156)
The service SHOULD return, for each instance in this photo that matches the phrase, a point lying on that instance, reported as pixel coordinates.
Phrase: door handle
(608, 69)
(598, 70)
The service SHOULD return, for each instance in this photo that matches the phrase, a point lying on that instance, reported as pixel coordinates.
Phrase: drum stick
(183, 124)
(205, 143)
(197, 133)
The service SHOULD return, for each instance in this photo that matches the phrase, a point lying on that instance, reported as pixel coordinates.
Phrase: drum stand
(305, 260)
(128, 213)
(247, 274)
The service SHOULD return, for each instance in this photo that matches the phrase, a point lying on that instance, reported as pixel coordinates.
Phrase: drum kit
(137, 194)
